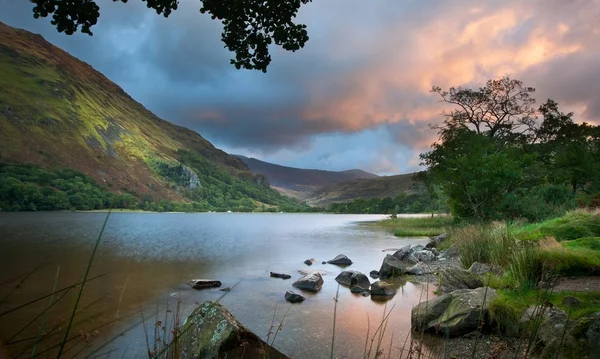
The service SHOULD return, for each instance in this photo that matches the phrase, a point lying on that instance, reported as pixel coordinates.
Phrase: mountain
(320, 188)
(297, 181)
(58, 112)
(380, 187)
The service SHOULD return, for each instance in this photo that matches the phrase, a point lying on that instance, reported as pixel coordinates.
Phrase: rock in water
(392, 267)
(340, 259)
(280, 275)
(453, 279)
(311, 282)
(374, 274)
(383, 289)
(204, 283)
(292, 297)
(455, 314)
(309, 262)
(212, 332)
(403, 253)
(351, 278)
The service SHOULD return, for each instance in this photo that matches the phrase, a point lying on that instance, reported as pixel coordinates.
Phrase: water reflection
(147, 258)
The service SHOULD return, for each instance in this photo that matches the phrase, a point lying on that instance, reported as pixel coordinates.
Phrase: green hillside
(57, 113)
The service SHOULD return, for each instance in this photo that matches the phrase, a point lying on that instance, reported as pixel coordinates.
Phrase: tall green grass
(573, 225)
(416, 226)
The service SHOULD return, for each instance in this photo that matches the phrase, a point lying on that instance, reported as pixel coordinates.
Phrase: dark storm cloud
(362, 80)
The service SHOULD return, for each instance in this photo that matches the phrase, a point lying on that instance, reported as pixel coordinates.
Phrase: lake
(145, 260)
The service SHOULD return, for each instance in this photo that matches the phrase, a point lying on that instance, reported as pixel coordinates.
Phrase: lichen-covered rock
(424, 256)
(454, 314)
(480, 268)
(452, 279)
(311, 282)
(292, 297)
(383, 289)
(211, 332)
(351, 278)
(340, 259)
(420, 269)
(204, 283)
(392, 267)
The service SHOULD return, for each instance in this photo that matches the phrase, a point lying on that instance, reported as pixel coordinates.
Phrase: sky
(357, 95)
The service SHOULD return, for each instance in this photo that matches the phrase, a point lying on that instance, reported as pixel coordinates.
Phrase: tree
(249, 26)
(501, 110)
(479, 156)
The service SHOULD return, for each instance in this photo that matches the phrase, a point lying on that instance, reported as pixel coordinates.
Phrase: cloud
(360, 87)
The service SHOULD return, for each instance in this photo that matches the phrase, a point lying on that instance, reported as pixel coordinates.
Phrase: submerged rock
(351, 278)
(292, 297)
(204, 283)
(212, 332)
(226, 289)
(309, 261)
(383, 289)
(340, 259)
(452, 279)
(280, 275)
(454, 314)
(311, 282)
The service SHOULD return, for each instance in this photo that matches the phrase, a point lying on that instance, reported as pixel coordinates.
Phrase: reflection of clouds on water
(150, 257)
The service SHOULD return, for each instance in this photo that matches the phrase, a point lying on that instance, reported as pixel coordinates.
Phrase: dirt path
(578, 284)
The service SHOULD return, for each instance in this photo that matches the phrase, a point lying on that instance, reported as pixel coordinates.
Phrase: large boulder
(556, 334)
(403, 253)
(454, 314)
(424, 256)
(452, 279)
(341, 260)
(392, 267)
(352, 278)
(212, 332)
(311, 282)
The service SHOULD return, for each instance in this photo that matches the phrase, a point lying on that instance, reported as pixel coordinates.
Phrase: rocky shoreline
(461, 311)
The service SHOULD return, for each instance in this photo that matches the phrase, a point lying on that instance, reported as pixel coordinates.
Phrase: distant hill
(380, 187)
(296, 182)
(320, 188)
(57, 112)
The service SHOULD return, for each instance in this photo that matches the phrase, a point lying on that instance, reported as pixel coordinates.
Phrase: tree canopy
(249, 26)
(499, 157)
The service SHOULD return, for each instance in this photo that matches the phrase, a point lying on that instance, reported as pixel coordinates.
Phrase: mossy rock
(211, 332)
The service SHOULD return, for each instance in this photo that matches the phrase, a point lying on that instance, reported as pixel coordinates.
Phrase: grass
(573, 225)
(416, 226)
(591, 243)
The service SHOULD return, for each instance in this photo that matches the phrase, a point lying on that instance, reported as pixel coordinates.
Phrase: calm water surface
(146, 259)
